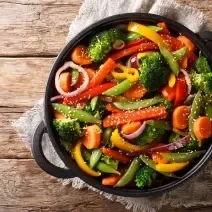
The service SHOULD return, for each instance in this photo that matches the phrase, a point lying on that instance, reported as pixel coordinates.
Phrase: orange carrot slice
(180, 117)
(135, 92)
(202, 128)
(80, 55)
(130, 128)
(65, 81)
(92, 137)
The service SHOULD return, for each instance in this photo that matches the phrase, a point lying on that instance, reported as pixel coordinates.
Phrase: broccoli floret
(154, 71)
(102, 43)
(202, 81)
(109, 161)
(202, 65)
(68, 129)
(99, 109)
(150, 133)
(190, 147)
(145, 177)
(174, 137)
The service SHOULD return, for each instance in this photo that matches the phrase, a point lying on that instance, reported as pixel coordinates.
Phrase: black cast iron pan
(203, 42)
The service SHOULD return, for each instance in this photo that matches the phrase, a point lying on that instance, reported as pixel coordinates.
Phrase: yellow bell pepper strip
(81, 163)
(172, 80)
(120, 143)
(147, 161)
(146, 32)
(127, 73)
(143, 54)
(172, 167)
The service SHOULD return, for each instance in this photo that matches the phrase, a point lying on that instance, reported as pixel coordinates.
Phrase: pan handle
(40, 158)
(207, 37)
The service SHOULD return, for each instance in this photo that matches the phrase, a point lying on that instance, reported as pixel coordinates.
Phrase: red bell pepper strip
(181, 90)
(168, 92)
(136, 42)
(164, 27)
(129, 51)
(116, 155)
(102, 73)
(172, 42)
(112, 108)
(89, 94)
(116, 119)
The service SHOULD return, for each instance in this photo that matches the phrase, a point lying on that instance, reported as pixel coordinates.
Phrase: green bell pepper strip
(155, 28)
(195, 112)
(131, 36)
(95, 157)
(170, 59)
(94, 102)
(100, 166)
(129, 174)
(180, 53)
(138, 104)
(146, 160)
(208, 110)
(106, 136)
(161, 124)
(74, 113)
(182, 157)
(74, 76)
(119, 89)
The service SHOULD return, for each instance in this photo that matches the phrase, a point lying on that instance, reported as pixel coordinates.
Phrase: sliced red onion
(56, 98)
(118, 44)
(77, 91)
(172, 146)
(138, 132)
(133, 62)
(187, 79)
(189, 99)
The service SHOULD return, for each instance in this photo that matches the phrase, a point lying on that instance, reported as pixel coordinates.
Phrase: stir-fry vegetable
(133, 106)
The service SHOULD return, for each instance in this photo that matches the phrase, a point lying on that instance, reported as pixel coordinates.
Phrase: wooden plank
(25, 187)
(11, 144)
(23, 80)
(35, 29)
(40, 27)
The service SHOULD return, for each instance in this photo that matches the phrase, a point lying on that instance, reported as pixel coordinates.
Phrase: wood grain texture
(24, 187)
(35, 29)
(30, 27)
(11, 145)
(23, 80)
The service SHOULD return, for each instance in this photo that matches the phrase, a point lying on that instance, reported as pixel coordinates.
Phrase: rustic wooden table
(32, 32)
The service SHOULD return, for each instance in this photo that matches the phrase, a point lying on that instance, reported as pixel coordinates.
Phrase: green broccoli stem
(119, 89)
(208, 110)
(74, 113)
(138, 104)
